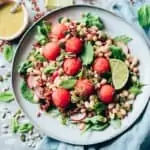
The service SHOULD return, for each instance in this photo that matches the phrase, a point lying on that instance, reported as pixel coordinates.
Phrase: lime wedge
(50, 4)
(120, 73)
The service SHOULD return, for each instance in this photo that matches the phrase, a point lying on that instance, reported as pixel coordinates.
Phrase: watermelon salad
(79, 73)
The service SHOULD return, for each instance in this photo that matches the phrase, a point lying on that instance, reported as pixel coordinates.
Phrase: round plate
(52, 127)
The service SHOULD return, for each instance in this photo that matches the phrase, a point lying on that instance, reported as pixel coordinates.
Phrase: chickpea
(131, 96)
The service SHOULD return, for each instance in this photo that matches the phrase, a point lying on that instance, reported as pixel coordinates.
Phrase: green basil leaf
(99, 127)
(116, 123)
(49, 69)
(27, 93)
(117, 52)
(68, 84)
(24, 66)
(6, 96)
(87, 55)
(8, 52)
(144, 16)
(25, 128)
(93, 20)
(14, 124)
(123, 38)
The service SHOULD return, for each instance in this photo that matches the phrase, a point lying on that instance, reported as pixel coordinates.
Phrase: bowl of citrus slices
(80, 75)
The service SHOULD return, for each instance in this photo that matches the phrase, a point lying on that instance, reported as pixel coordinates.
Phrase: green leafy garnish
(25, 128)
(14, 124)
(144, 16)
(27, 93)
(116, 123)
(123, 38)
(42, 32)
(6, 96)
(99, 127)
(93, 20)
(88, 54)
(49, 69)
(37, 56)
(8, 52)
(136, 88)
(68, 84)
(95, 119)
(117, 52)
(99, 108)
(24, 66)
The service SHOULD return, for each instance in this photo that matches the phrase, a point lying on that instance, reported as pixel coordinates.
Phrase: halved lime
(120, 73)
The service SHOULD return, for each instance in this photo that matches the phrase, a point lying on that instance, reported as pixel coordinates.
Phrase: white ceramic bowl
(22, 29)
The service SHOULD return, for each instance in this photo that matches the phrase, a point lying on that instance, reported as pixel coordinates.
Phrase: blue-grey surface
(137, 137)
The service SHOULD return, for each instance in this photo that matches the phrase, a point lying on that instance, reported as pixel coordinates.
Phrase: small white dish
(22, 29)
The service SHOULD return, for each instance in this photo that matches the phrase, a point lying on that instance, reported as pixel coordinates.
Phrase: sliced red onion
(31, 81)
(78, 117)
(39, 92)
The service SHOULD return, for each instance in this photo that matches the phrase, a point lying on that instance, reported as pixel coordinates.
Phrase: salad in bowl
(78, 72)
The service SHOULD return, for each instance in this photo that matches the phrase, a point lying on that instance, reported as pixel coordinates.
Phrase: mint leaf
(144, 16)
(8, 52)
(117, 52)
(6, 96)
(122, 38)
(27, 93)
(87, 55)
(93, 20)
(68, 84)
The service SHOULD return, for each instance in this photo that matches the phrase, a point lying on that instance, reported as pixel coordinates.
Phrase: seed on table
(3, 115)
(5, 125)
(23, 138)
(4, 131)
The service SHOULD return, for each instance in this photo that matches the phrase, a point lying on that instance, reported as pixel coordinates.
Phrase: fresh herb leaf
(88, 54)
(25, 128)
(49, 69)
(116, 123)
(63, 119)
(68, 84)
(93, 20)
(99, 127)
(42, 32)
(99, 108)
(27, 93)
(144, 16)
(6, 96)
(95, 119)
(123, 38)
(8, 52)
(136, 88)
(14, 124)
(37, 55)
(24, 66)
(117, 52)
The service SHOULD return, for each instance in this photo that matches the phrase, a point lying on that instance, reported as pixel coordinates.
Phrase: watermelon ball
(74, 45)
(106, 93)
(51, 50)
(84, 87)
(72, 66)
(101, 65)
(59, 31)
(61, 98)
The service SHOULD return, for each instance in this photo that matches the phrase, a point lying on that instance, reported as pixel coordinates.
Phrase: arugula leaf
(68, 84)
(93, 20)
(24, 66)
(8, 52)
(116, 123)
(27, 93)
(99, 127)
(49, 69)
(123, 38)
(42, 32)
(88, 54)
(117, 52)
(25, 128)
(136, 88)
(6, 96)
(144, 16)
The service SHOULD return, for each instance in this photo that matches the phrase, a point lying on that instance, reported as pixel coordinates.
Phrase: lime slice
(120, 73)
(50, 4)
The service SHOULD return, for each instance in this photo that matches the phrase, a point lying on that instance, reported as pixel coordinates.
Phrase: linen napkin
(137, 137)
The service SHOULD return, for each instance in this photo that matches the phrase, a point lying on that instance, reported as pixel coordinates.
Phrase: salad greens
(87, 55)
(144, 16)
(8, 52)
(93, 20)
(68, 84)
